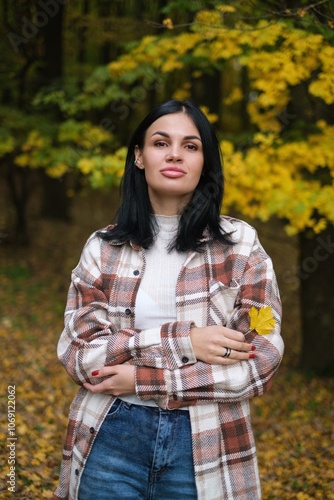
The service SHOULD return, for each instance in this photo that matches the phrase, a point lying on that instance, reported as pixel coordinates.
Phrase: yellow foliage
(223, 48)
(183, 93)
(266, 35)
(171, 64)
(34, 141)
(22, 160)
(212, 117)
(57, 171)
(225, 8)
(255, 179)
(234, 96)
(208, 18)
(266, 120)
(85, 165)
(323, 87)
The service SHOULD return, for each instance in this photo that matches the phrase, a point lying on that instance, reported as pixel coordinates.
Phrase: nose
(174, 155)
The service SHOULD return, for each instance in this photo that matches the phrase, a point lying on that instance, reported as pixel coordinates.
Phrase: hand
(210, 343)
(120, 380)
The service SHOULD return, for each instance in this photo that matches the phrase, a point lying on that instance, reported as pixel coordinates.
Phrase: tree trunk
(19, 191)
(316, 273)
(55, 203)
(53, 47)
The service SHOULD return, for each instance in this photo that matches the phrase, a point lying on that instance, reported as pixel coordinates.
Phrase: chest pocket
(222, 301)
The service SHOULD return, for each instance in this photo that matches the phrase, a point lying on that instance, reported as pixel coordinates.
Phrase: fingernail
(252, 355)
(253, 347)
(95, 372)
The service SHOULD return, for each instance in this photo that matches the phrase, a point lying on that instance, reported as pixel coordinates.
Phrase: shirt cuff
(176, 344)
(150, 384)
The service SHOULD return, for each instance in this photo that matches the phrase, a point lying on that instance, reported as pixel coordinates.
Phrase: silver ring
(227, 353)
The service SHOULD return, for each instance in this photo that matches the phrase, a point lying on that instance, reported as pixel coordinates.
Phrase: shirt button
(92, 430)
(128, 312)
(136, 272)
(185, 359)
(76, 472)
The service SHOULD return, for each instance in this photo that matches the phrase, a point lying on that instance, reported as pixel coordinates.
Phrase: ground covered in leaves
(293, 423)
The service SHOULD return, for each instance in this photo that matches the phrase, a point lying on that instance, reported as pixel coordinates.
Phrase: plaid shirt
(217, 286)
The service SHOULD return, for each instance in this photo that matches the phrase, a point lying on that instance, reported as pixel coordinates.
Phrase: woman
(157, 330)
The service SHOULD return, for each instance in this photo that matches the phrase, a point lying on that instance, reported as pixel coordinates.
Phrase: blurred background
(76, 77)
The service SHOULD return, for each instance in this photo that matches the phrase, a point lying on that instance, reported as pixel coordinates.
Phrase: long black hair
(202, 213)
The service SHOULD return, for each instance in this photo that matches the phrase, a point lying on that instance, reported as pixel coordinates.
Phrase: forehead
(174, 124)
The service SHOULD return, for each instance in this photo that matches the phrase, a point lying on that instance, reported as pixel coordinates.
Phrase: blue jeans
(140, 453)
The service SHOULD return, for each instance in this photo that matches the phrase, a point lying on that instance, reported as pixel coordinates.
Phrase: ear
(138, 158)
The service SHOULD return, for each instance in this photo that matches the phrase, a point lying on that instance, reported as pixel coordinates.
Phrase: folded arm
(91, 338)
(203, 381)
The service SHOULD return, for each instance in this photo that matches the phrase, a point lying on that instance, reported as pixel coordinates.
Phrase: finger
(225, 361)
(236, 346)
(236, 340)
(105, 371)
(98, 388)
(239, 355)
(233, 334)
(235, 357)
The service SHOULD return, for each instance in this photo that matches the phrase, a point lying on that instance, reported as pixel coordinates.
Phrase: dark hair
(134, 221)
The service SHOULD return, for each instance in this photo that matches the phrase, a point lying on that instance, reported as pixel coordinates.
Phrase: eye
(160, 144)
(191, 147)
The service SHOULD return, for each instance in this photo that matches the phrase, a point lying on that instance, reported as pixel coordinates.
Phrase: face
(172, 158)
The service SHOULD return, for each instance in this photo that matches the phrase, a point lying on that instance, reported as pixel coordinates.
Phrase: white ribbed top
(155, 303)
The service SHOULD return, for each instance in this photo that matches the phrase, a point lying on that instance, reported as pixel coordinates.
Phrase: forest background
(76, 77)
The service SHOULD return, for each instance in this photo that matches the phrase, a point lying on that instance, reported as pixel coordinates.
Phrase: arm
(90, 339)
(205, 382)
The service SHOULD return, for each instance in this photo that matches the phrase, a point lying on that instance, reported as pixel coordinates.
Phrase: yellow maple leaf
(262, 320)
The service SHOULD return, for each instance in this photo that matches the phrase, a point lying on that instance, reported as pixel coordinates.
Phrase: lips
(172, 172)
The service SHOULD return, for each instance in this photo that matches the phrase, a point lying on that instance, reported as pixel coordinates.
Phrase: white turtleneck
(155, 302)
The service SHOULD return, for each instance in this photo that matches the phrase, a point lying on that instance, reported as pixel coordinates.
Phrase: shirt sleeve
(90, 340)
(202, 382)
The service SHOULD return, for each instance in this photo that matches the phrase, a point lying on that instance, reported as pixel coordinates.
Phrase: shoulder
(103, 236)
(96, 245)
(239, 230)
(246, 240)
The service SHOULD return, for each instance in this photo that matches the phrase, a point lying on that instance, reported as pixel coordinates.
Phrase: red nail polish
(95, 372)
(253, 347)
(252, 355)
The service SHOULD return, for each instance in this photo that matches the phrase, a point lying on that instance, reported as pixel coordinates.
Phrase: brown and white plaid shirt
(217, 286)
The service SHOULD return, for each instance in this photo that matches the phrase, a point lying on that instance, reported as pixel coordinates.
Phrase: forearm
(89, 341)
(203, 382)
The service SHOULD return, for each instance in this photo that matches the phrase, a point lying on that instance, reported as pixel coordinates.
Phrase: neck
(168, 205)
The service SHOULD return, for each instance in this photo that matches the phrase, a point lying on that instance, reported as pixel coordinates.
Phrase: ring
(227, 353)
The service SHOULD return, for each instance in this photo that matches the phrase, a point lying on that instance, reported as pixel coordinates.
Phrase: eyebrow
(186, 137)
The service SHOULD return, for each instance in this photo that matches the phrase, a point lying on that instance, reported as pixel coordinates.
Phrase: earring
(139, 165)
